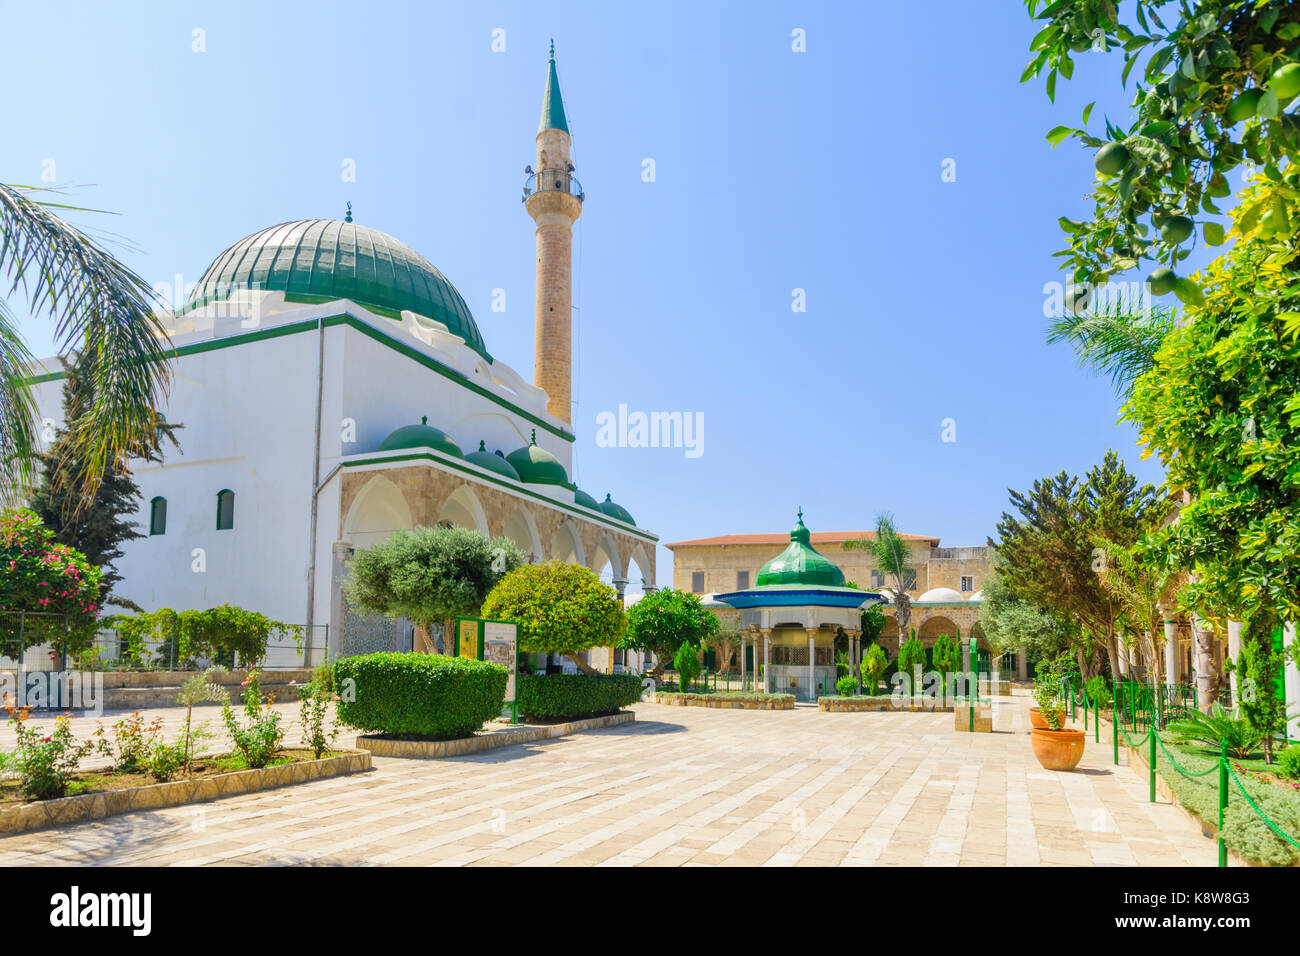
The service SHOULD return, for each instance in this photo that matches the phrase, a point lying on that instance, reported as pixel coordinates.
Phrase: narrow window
(967, 583)
(158, 515)
(742, 580)
(225, 509)
(697, 582)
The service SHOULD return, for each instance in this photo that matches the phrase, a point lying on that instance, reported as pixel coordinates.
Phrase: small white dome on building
(940, 596)
(977, 596)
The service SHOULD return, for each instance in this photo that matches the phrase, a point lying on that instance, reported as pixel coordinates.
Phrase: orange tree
(559, 608)
(1214, 80)
(665, 620)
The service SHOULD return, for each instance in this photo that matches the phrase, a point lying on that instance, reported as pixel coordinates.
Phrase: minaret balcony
(551, 181)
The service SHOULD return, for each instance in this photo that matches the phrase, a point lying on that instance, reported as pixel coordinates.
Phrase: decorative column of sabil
(554, 205)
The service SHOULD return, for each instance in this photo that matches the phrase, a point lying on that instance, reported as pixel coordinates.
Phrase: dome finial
(424, 419)
(552, 49)
(533, 440)
(482, 446)
(348, 217)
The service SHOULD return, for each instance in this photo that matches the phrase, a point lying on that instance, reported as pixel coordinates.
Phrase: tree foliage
(97, 522)
(664, 620)
(1010, 623)
(945, 655)
(560, 609)
(892, 554)
(430, 575)
(1221, 409)
(1212, 93)
(1047, 554)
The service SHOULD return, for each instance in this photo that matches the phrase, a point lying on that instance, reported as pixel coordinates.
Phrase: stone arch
(935, 625)
(605, 559)
(566, 544)
(521, 528)
(377, 511)
(463, 510)
(643, 575)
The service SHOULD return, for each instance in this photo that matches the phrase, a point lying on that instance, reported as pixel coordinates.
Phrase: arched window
(158, 515)
(225, 509)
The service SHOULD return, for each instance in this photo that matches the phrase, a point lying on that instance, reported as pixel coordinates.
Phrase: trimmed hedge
(563, 696)
(422, 696)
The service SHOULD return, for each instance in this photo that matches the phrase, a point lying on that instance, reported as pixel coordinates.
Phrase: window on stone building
(697, 582)
(742, 580)
(967, 583)
(881, 580)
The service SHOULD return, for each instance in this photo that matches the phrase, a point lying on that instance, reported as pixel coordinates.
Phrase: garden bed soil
(103, 794)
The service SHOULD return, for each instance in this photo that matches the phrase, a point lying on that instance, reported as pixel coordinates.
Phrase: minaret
(554, 199)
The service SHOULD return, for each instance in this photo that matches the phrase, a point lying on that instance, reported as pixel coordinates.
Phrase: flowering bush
(316, 699)
(260, 740)
(37, 573)
(133, 741)
(45, 762)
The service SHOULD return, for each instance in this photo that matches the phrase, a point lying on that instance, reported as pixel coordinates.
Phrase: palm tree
(99, 307)
(891, 553)
(1117, 341)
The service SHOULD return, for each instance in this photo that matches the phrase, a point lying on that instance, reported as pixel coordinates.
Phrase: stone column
(1234, 651)
(1291, 683)
(1123, 655)
(767, 658)
(742, 661)
(1171, 652)
(1022, 663)
(342, 553)
(812, 663)
(1202, 638)
(855, 656)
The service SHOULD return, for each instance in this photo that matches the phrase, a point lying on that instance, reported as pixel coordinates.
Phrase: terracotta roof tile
(818, 537)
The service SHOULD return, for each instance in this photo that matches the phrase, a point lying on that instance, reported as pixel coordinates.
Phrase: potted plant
(1056, 746)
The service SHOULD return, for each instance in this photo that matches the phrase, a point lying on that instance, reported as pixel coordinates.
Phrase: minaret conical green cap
(552, 102)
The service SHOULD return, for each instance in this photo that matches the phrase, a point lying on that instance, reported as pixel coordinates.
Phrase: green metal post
(1223, 800)
(1114, 736)
(1069, 689)
(1152, 734)
(1096, 719)
(970, 706)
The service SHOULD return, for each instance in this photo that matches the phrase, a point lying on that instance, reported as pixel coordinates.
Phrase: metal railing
(553, 180)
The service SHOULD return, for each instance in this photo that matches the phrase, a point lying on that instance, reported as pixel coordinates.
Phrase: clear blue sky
(774, 170)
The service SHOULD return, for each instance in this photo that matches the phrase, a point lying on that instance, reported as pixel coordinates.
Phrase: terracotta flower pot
(1058, 749)
(1036, 718)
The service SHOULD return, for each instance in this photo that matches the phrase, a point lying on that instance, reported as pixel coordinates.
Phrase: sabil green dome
(536, 465)
(492, 461)
(800, 563)
(325, 259)
(422, 435)
(616, 511)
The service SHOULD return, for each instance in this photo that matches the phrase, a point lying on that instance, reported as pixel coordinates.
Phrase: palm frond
(100, 307)
(1115, 341)
(17, 412)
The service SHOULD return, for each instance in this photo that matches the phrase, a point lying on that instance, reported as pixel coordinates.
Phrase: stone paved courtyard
(681, 785)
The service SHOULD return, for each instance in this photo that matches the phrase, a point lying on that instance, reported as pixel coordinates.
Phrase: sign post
(497, 642)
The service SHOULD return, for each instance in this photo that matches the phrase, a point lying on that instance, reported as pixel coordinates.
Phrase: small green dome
(329, 259)
(800, 564)
(536, 465)
(582, 498)
(422, 435)
(492, 461)
(616, 511)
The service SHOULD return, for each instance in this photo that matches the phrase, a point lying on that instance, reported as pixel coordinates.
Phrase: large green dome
(800, 564)
(340, 260)
(422, 435)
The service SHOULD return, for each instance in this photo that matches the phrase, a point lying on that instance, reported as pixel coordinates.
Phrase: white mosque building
(334, 388)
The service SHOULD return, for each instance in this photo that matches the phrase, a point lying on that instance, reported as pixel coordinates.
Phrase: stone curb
(785, 702)
(95, 806)
(431, 749)
(858, 705)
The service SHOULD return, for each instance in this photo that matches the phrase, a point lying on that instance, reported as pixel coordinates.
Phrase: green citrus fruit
(1244, 106)
(1111, 159)
(1175, 229)
(1077, 298)
(1285, 81)
(1161, 281)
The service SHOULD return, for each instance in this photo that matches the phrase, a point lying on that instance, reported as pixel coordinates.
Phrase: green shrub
(874, 663)
(945, 655)
(1288, 762)
(426, 696)
(565, 696)
(846, 686)
(687, 664)
(1098, 689)
(260, 740)
(1218, 725)
(910, 656)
